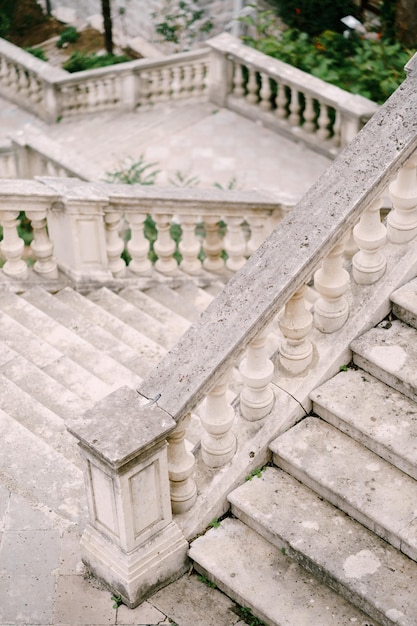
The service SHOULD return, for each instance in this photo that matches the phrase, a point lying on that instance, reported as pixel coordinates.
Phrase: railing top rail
(309, 84)
(288, 257)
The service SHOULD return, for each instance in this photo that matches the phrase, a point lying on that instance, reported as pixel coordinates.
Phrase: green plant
(69, 35)
(215, 523)
(184, 180)
(283, 551)
(80, 61)
(182, 23)
(246, 614)
(256, 472)
(206, 581)
(343, 368)
(133, 172)
(39, 53)
(230, 185)
(117, 601)
(315, 16)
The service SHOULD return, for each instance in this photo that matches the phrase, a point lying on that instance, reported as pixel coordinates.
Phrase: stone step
(389, 352)
(82, 326)
(40, 472)
(38, 419)
(148, 352)
(165, 316)
(67, 342)
(404, 303)
(352, 478)
(352, 560)
(375, 415)
(257, 575)
(134, 317)
(187, 301)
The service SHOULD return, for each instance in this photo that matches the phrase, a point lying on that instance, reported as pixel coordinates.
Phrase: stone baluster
(252, 87)
(41, 246)
(257, 233)
(165, 84)
(218, 443)
(188, 79)
(164, 246)
(337, 129)
(23, 83)
(235, 244)
(296, 351)
(281, 102)
(331, 309)
(213, 245)
(257, 397)
(176, 82)
(190, 246)
(265, 93)
(180, 469)
(12, 246)
(294, 117)
(323, 122)
(131, 542)
(114, 244)
(238, 81)
(402, 220)
(153, 86)
(199, 81)
(369, 263)
(138, 246)
(309, 115)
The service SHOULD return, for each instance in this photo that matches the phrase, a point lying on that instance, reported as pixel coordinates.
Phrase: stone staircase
(327, 535)
(60, 354)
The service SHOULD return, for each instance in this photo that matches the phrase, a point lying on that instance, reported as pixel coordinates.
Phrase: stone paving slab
(404, 303)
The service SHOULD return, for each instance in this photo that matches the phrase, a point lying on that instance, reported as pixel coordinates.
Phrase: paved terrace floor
(41, 580)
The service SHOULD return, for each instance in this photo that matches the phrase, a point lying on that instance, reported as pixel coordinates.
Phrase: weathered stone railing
(283, 97)
(126, 456)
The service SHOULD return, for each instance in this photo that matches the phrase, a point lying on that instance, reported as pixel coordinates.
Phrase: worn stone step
(186, 301)
(354, 479)
(404, 303)
(82, 326)
(38, 419)
(389, 352)
(149, 353)
(256, 575)
(352, 560)
(382, 419)
(30, 466)
(68, 343)
(165, 316)
(134, 317)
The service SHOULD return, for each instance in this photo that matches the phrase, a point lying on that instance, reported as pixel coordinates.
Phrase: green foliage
(343, 368)
(256, 472)
(315, 16)
(39, 53)
(181, 22)
(133, 172)
(373, 68)
(184, 180)
(69, 35)
(246, 614)
(80, 61)
(230, 185)
(215, 523)
(117, 600)
(206, 581)
(5, 23)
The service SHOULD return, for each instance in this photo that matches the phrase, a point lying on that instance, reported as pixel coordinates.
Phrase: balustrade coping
(48, 73)
(353, 104)
(16, 194)
(286, 260)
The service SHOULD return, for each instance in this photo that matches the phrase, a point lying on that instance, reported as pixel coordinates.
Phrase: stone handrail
(283, 97)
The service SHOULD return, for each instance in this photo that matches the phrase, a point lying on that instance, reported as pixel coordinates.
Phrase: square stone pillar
(131, 543)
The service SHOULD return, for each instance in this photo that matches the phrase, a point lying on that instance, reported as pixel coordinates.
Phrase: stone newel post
(131, 542)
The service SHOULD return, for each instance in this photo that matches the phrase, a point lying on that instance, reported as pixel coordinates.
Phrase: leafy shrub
(80, 61)
(315, 16)
(133, 172)
(5, 24)
(39, 53)
(181, 22)
(69, 35)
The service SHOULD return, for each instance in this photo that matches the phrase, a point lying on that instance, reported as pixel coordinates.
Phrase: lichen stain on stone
(393, 357)
(361, 564)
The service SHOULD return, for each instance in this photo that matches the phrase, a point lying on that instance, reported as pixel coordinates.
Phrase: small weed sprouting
(256, 472)
(283, 551)
(215, 523)
(246, 614)
(39, 53)
(184, 180)
(206, 581)
(69, 35)
(134, 172)
(117, 601)
(343, 368)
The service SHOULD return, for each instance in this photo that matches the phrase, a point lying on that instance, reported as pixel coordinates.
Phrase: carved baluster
(402, 221)
(41, 246)
(257, 234)
(235, 244)
(199, 83)
(12, 246)
(309, 115)
(165, 84)
(331, 281)
(164, 246)
(188, 80)
(114, 245)
(296, 351)
(281, 102)
(176, 82)
(294, 117)
(238, 88)
(138, 246)
(257, 397)
(323, 122)
(152, 87)
(337, 128)
(265, 93)
(218, 443)
(190, 246)
(213, 245)
(368, 265)
(252, 87)
(180, 468)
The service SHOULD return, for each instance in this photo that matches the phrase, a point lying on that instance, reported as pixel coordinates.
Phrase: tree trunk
(406, 22)
(108, 35)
